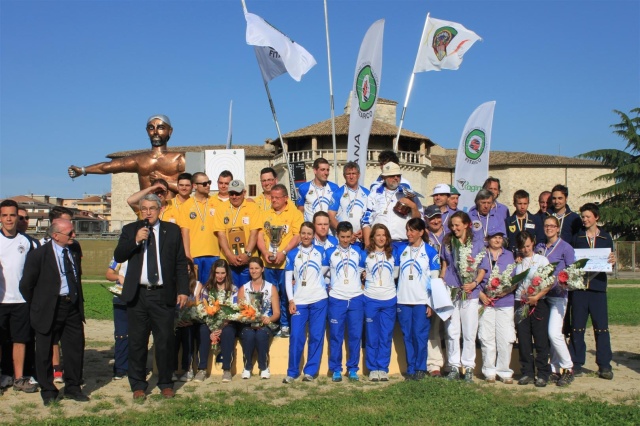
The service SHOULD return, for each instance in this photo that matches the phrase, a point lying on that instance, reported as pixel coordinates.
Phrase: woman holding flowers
(381, 269)
(535, 325)
(496, 331)
(461, 270)
(560, 252)
(218, 288)
(256, 335)
(308, 301)
(592, 301)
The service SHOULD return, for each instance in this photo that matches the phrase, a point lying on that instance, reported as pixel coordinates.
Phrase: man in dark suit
(51, 285)
(156, 279)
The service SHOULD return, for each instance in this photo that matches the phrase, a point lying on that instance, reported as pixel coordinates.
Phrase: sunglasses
(68, 235)
(160, 192)
(234, 194)
(207, 183)
(23, 217)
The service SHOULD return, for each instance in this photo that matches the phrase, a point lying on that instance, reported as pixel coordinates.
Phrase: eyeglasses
(148, 209)
(68, 235)
(23, 217)
(234, 194)
(206, 183)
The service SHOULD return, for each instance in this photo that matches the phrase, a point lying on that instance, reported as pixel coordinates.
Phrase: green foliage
(425, 402)
(624, 305)
(621, 200)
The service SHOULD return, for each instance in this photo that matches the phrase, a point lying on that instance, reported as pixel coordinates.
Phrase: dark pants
(252, 339)
(594, 303)
(228, 344)
(202, 336)
(121, 337)
(184, 340)
(146, 314)
(535, 327)
(69, 330)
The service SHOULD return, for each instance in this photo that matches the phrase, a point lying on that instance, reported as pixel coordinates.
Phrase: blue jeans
(121, 337)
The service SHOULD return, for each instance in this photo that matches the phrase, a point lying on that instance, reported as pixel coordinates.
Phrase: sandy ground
(108, 396)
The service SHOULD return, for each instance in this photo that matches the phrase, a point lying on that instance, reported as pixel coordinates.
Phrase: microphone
(146, 224)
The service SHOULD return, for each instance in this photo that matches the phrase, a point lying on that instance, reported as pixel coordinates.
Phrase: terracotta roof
(379, 128)
(249, 150)
(506, 158)
(94, 199)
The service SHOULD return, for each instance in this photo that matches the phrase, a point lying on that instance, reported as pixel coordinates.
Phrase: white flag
(364, 96)
(294, 57)
(442, 45)
(271, 64)
(472, 162)
(229, 134)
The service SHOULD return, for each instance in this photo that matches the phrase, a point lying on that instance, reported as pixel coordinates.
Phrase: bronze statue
(158, 163)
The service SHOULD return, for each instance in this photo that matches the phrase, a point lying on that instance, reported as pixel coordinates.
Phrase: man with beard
(158, 163)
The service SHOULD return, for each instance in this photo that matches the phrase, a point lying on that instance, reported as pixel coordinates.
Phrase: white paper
(598, 259)
(440, 299)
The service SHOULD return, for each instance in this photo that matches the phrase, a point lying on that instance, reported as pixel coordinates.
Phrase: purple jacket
(505, 259)
(560, 252)
(451, 277)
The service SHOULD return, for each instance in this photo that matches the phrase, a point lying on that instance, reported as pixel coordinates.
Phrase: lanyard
(414, 259)
(202, 217)
(380, 264)
(234, 220)
(592, 241)
(305, 264)
(345, 264)
(486, 225)
(553, 247)
(526, 219)
(436, 241)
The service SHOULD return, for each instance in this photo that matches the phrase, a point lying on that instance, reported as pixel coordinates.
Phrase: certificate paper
(598, 259)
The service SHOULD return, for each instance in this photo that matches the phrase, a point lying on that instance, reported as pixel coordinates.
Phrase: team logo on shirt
(212, 212)
(474, 144)
(477, 225)
(226, 220)
(192, 215)
(512, 228)
(21, 249)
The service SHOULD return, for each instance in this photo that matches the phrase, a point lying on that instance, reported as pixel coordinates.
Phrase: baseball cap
(162, 117)
(441, 188)
(454, 191)
(391, 169)
(494, 232)
(432, 211)
(236, 186)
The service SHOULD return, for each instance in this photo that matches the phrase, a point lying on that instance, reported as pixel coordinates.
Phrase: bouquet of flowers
(250, 312)
(215, 311)
(467, 266)
(542, 278)
(572, 278)
(501, 284)
(188, 313)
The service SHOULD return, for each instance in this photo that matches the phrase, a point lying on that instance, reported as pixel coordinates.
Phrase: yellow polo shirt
(172, 211)
(198, 217)
(291, 218)
(246, 216)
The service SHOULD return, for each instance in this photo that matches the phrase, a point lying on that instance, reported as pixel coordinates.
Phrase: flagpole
(292, 185)
(406, 99)
(333, 118)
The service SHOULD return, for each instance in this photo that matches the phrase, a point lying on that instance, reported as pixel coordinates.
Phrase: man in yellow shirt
(268, 179)
(285, 214)
(172, 209)
(236, 225)
(196, 221)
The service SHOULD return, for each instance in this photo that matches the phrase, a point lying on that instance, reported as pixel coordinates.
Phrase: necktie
(69, 272)
(152, 259)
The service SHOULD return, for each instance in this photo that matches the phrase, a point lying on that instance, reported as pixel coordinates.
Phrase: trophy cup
(256, 299)
(275, 238)
(401, 208)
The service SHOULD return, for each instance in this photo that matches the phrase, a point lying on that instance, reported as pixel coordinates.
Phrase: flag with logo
(364, 96)
(276, 52)
(442, 45)
(472, 163)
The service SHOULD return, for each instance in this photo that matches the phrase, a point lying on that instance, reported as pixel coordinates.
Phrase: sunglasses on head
(206, 183)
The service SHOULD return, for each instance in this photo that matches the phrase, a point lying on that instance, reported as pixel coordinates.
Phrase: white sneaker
(187, 376)
(174, 377)
(246, 374)
(265, 374)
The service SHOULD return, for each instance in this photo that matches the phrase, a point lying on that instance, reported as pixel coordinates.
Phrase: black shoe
(605, 374)
(410, 377)
(554, 377)
(420, 375)
(77, 396)
(540, 382)
(566, 379)
(578, 372)
(526, 380)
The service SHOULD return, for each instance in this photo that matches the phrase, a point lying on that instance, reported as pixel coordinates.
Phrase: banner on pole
(281, 50)
(442, 45)
(472, 162)
(364, 96)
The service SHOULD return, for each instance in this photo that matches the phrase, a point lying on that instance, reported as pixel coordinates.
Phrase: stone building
(423, 162)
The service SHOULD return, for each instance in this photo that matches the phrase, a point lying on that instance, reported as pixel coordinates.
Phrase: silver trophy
(256, 299)
(275, 236)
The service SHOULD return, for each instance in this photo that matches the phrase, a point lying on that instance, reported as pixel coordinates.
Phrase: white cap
(391, 169)
(441, 188)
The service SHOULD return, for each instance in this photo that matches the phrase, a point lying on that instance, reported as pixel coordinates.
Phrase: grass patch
(619, 281)
(624, 306)
(96, 255)
(431, 402)
(100, 406)
(98, 302)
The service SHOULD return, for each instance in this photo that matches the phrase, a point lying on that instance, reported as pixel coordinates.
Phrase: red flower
(563, 277)
(531, 290)
(469, 269)
(495, 282)
(536, 281)
(470, 259)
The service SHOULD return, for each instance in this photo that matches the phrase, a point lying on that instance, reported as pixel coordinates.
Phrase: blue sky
(78, 79)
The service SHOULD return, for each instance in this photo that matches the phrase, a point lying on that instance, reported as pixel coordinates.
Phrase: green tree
(620, 206)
